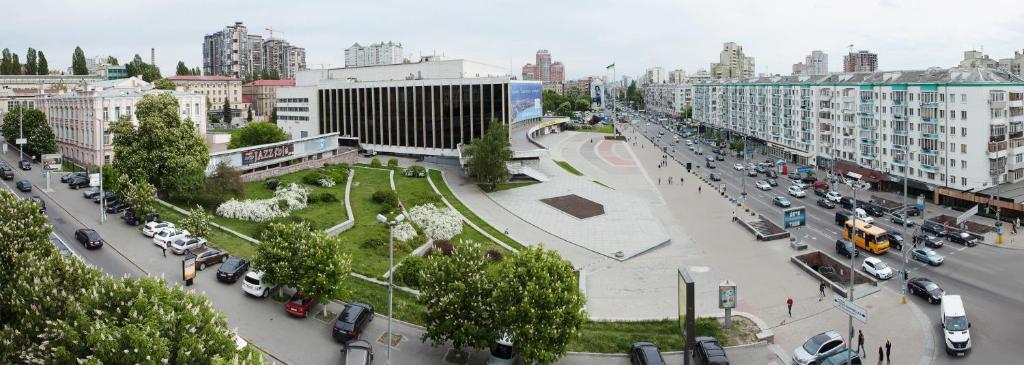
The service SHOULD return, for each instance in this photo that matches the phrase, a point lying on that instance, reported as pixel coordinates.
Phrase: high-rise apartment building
(815, 63)
(655, 75)
(376, 54)
(544, 69)
(860, 61)
(1013, 65)
(284, 58)
(233, 52)
(677, 76)
(732, 62)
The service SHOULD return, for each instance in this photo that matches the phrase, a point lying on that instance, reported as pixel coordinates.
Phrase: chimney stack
(152, 56)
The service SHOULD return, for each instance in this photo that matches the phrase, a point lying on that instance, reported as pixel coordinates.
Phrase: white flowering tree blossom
(56, 310)
(197, 222)
(326, 182)
(437, 223)
(404, 231)
(286, 199)
(542, 307)
(140, 195)
(300, 257)
(456, 290)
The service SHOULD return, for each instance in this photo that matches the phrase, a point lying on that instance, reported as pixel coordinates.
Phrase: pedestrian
(860, 343)
(681, 181)
(821, 291)
(670, 180)
(1014, 229)
(659, 181)
(164, 249)
(698, 189)
(888, 351)
(881, 355)
(789, 306)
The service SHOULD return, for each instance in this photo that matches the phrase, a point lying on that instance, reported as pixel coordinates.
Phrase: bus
(871, 238)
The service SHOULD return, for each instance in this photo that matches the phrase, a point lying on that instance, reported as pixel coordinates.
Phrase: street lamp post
(853, 238)
(391, 264)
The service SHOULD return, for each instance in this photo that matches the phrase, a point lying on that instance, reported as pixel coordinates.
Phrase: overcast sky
(585, 35)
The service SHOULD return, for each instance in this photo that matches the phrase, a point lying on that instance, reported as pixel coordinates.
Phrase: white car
(763, 185)
(253, 284)
(796, 191)
(877, 268)
(152, 228)
(165, 237)
(738, 166)
(833, 196)
(802, 185)
(180, 245)
(863, 216)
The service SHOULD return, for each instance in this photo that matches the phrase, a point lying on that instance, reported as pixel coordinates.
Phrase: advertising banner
(267, 153)
(188, 268)
(794, 217)
(52, 161)
(726, 295)
(525, 101)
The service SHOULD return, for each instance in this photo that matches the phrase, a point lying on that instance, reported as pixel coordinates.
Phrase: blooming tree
(404, 231)
(139, 194)
(286, 199)
(456, 291)
(197, 222)
(296, 255)
(437, 223)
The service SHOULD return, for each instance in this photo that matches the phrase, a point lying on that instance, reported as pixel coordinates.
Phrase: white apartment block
(80, 119)
(955, 128)
(670, 99)
(216, 88)
(655, 75)
(376, 54)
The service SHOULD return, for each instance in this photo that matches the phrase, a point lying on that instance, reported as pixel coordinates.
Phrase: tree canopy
(573, 101)
(78, 62)
(42, 68)
(460, 284)
(197, 222)
(257, 133)
(297, 256)
(33, 122)
(489, 155)
(164, 84)
(140, 195)
(138, 67)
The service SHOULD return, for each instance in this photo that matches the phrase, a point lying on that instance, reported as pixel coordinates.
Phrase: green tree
(164, 84)
(542, 307)
(111, 178)
(297, 256)
(197, 72)
(5, 63)
(78, 62)
(274, 75)
(112, 60)
(257, 133)
(489, 155)
(264, 75)
(226, 110)
(31, 61)
(163, 150)
(140, 195)
(33, 123)
(182, 70)
(456, 290)
(43, 68)
(225, 181)
(248, 117)
(197, 222)
(15, 65)
(21, 228)
(273, 115)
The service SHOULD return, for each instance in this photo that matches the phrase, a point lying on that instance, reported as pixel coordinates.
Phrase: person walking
(860, 343)
(698, 190)
(888, 351)
(821, 291)
(164, 249)
(789, 306)
(880, 355)
(659, 181)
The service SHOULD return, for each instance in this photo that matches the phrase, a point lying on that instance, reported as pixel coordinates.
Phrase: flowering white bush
(326, 182)
(437, 223)
(286, 199)
(404, 231)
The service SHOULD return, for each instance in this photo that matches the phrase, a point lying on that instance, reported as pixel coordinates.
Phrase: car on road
(738, 167)
(818, 347)
(25, 165)
(927, 240)
(955, 325)
(79, 183)
(772, 182)
(710, 165)
(184, 243)
(714, 177)
(232, 269)
(772, 174)
(846, 202)
(781, 201)
(845, 357)
(645, 353)
(796, 191)
(793, 176)
(846, 248)
(152, 228)
(863, 216)
(42, 204)
(833, 196)
(962, 238)
(299, 305)
(74, 175)
(936, 229)
(253, 284)
(912, 211)
(825, 203)
(895, 240)
(751, 173)
(802, 185)
(877, 268)
(926, 288)
(709, 351)
(7, 173)
(763, 185)
(357, 352)
(24, 185)
(820, 192)
(720, 157)
(165, 237)
(91, 193)
(901, 220)
(88, 238)
(206, 256)
(351, 321)
(874, 210)
(842, 217)
(117, 207)
(927, 255)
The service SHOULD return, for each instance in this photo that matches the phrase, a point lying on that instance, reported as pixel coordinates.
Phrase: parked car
(79, 183)
(845, 357)
(738, 167)
(846, 248)
(88, 238)
(645, 353)
(42, 204)
(165, 237)
(927, 240)
(232, 269)
(877, 268)
(357, 352)
(709, 351)
(184, 243)
(962, 238)
(781, 201)
(833, 196)
(66, 178)
(772, 182)
(299, 305)
(901, 220)
(253, 284)
(107, 196)
(763, 185)
(7, 173)
(714, 177)
(351, 321)
(152, 228)
(818, 347)
(117, 207)
(91, 193)
(820, 192)
(895, 240)
(825, 203)
(24, 185)
(926, 288)
(927, 255)
(25, 165)
(912, 211)
(796, 191)
(206, 256)
(933, 228)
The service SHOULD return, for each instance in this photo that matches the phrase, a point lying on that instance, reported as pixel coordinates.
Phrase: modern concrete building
(544, 69)
(80, 119)
(958, 128)
(236, 53)
(977, 59)
(815, 63)
(1014, 65)
(677, 76)
(263, 95)
(860, 61)
(217, 89)
(655, 75)
(281, 56)
(41, 83)
(376, 54)
(732, 62)
(557, 87)
(670, 99)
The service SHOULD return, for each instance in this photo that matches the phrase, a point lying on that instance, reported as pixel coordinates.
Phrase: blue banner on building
(525, 101)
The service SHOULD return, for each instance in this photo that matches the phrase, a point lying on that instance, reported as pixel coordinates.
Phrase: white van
(863, 216)
(254, 285)
(955, 326)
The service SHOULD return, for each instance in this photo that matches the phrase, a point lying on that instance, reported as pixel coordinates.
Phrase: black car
(772, 182)
(912, 211)
(928, 241)
(42, 204)
(108, 196)
(720, 157)
(820, 192)
(895, 240)
(772, 174)
(846, 202)
(117, 207)
(645, 353)
(715, 177)
(825, 203)
(709, 351)
(232, 269)
(934, 228)
(69, 177)
(925, 288)
(842, 217)
(78, 183)
(874, 210)
(25, 165)
(351, 321)
(91, 193)
(24, 185)
(6, 173)
(846, 249)
(88, 238)
(962, 238)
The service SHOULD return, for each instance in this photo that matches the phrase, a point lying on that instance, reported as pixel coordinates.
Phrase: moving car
(254, 285)
(351, 321)
(833, 196)
(927, 255)
(802, 185)
(152, 228)
(74, 175)
(772, 182)
(874, 210)
(925, 288)
(934, 228)
(846, 248)
(645, 353)
(88, 238)
(763, 185)
(901, 220)
(912, 211)
(781, 201)
(24, 186)
(714, 177)
(357, 352)
(863, 216)
(299, 305)
(719, 158)
(818, 347)
(956, 329)
(825, 203)
(846, 202)
(820, 192)
(895, 240)
(165, 237)
(206, 256)
(710, 165)
(42, 204)
(796, 191)
(185, 243)
(738, 167)
(25, 165)
(842, 217)
(962, 238)
(709, 351)
(877, 268)
(751, 173)
(929, 241)
(232, 269)
(7, 173)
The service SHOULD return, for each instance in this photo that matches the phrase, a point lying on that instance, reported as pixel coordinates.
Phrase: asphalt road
(990, 279)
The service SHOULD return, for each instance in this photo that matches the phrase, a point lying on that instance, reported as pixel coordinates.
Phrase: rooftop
(928, 76)
(201, 78)
(286, 82)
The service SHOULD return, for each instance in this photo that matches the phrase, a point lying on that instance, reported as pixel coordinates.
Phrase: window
(952, 114)
(963, 181)
(963, 114)
(952, 179)
(1019, 157)
(128, 111)
(106, 114)
(963, 131)
(963, 148)
(117, 112)
(952, 163)
(963, 99)
(963, 164)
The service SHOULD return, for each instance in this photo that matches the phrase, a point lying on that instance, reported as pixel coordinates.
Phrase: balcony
(929, 152)
(930, 135)
(1000, 104)
(897, 146)
(928, 167)
(824, 97)
(867, 104)
(900, 132)
(869, 114)
(899, 102)
(930, 120)
(899, 161)
(899, 117)
(869, 141)
(929, 104)
(868, 155)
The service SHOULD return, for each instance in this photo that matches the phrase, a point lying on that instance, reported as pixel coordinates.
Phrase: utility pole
(853, 238)
(906, 217)
(21, 131)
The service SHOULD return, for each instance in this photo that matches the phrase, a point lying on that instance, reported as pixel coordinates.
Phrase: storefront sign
(267, 153)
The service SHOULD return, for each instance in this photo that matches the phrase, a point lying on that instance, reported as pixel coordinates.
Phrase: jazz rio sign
(267, 153)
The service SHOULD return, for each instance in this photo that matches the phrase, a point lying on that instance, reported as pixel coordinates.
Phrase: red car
(820, 185)
(299, 305)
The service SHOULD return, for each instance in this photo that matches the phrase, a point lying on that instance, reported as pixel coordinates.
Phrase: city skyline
(510, 42)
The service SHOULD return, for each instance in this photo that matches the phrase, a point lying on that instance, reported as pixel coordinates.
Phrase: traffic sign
(94, 179)
(963, 217)
(851, 308)
(21, 141)
(794, 217)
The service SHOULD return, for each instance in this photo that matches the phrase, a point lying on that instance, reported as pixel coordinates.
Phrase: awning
(869, 175)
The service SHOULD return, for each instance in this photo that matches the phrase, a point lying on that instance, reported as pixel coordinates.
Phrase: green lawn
(616, 337)
(368, 261)
(569, 168)
(507, 185)
(600, 128)
(218, 237)
(405, 305)
(435, 175)
(413, 191)
(602, 184)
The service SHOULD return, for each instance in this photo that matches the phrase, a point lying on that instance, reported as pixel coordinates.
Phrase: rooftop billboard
(525, 101)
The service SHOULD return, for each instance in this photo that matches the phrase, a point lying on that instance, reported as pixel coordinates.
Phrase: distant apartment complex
(732, 62)
(544, 69)
(815, 63)
(676, 76)
(376, 54)
(670, 99)
(236, 53)
(960, 129)
(1013, 65)
(860, 61)
(655, 75)
(217, 89)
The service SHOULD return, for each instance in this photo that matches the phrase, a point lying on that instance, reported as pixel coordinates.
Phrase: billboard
(727, 295)
(794, 217)
(524, 100)
(267, 153)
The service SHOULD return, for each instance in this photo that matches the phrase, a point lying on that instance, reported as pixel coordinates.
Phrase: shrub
(709, 326)
(415, 171)
(281, 220)
(404, 231)
(338, 173)
(387, 198)
(375, 162)
(374, 244)
(286, 199)
(437, 223)
(392, 162)
(322, 197)
(271, 184)
(313, 178)
(495, 254)
(443, 247)
(408, 273)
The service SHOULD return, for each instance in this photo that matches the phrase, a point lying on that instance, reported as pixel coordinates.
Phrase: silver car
(816, 348)
(357, 352)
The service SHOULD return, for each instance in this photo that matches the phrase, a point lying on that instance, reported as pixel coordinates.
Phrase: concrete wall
(348, 156)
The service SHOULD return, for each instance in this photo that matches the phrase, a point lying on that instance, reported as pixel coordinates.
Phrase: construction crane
(271, 30)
